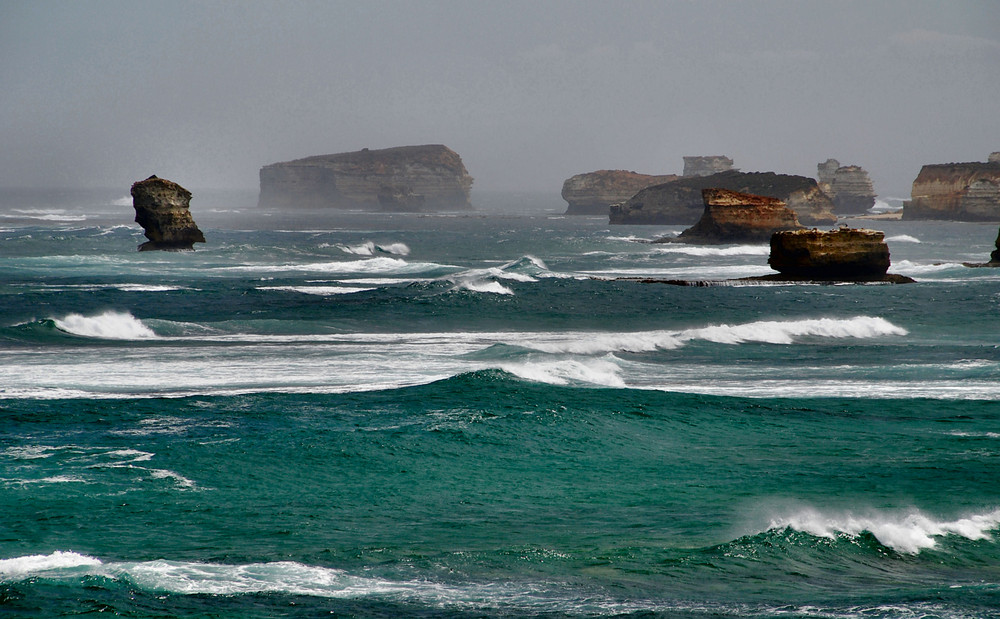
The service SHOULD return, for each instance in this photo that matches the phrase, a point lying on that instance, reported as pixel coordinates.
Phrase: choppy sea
(481, 415)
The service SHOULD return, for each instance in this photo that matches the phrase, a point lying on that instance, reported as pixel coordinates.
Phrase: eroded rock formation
(849, 187)
(844, 254)
(680, 201)
(429, 177)
(956, 191)
(594, 192)
(707, 166)
(734, 217)
(162, 209)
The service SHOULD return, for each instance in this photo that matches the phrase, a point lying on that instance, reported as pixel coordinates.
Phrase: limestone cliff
(429, 177)
(162, 209)
(844, 254)
(594, 192)
(707, 166)
(680, 201)
(734, 217)
(956, 191)
(849, 187)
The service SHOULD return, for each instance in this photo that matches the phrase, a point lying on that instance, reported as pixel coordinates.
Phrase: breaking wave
(368, 248)
(109, 325)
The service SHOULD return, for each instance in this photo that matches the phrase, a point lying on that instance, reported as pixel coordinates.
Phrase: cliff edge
(593, 193)
(956, 191)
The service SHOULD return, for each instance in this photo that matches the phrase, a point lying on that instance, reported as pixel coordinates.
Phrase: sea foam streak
(369, 248)
(907, 532)
(109, 325)
(767, 332)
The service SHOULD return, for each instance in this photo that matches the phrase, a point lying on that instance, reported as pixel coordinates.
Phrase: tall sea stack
(162, 209)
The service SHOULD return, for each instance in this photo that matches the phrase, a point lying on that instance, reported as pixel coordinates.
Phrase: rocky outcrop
(680, 201)
(734, 217)
(844, 254)
(956, 191)
(849, 187)
(162, 209)
(707, 166)
(594, 192)
(426, 178)
(994, 256)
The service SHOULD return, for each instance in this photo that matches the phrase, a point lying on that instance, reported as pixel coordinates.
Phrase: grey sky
(100, 94)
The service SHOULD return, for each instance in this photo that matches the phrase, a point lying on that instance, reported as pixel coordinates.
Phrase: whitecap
(902, 238)
(108, 325)
(32, 565)
(601, 372)
(484, 286)
(368, 248)
(317, 290)
(908, 532)
(702, 250)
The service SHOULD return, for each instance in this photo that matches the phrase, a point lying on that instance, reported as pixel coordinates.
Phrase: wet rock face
(594, 192)
(162, 209)
(735, 217)
(845, 254)
(429, 177)
(680, 201)
(850, 187)
(956, 191)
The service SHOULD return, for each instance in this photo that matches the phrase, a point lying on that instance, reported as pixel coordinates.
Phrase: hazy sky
(103, 93)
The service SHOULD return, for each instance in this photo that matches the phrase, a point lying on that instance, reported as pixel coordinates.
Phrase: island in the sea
(429, 177)
(956, 191)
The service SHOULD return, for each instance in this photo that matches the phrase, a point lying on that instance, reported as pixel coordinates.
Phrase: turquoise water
(376, 415)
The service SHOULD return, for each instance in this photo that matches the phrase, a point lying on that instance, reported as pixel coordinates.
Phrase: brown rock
(680, 201)
(956, 191)
(734, 217)
(850, 187)
(594, 192)
(162, 209)
(847, 254)
(429, 177)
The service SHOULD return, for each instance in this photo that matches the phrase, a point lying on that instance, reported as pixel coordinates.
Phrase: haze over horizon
(102, 94)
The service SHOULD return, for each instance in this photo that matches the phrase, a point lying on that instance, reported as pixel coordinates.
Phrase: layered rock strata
(734, 217)
(680, 201)
(429, 177)
(594, 192)
(707, 166)
(956, 191)
(849, 187)
(844, 254)
(162, 208)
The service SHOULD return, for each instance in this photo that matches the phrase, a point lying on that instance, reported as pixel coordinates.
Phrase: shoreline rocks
(735, 217)
(680, 201)
(956, 191)
(423, 178)
(593, 193)
(162, 208)
(849, 187)
(844, 254)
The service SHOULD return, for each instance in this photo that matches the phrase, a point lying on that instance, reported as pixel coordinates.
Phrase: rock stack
(849, 187)
(162, 209)
(594, 192)
(735, 217)
(707, 166)
(844, 254)
(956, 191)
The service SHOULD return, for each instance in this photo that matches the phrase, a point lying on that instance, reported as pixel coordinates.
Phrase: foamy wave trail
(475, 285)
(379, 265)
(109, 325)
(603, 372)
(766, 332)
(902, 238)
(906, 532)
(317, 290)
(908, 267)
(699, 250)
(368, 248)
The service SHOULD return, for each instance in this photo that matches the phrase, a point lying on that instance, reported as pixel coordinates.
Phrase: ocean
(486, 414)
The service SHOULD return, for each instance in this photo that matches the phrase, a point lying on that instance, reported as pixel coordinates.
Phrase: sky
(104, 93)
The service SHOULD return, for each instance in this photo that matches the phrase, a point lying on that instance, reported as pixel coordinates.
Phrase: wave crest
(109, 325)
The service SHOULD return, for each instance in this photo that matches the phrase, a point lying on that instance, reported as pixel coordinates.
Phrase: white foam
(369, 248)
(484, 286)
(908, 532)
(317, 290)
(769, 332)
(596, 372)
(908, 267)
(379, 265)
(701, 250)
(18, 568)
(902, 238)
(109, 325)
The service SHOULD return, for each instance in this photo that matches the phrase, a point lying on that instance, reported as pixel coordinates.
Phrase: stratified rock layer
(847, 254)
(594, 192)
(734, 217)
(429, 177)
(849, 187)
(956, 191)
(162, 209)
(680, 201)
